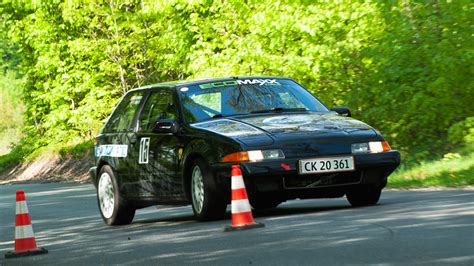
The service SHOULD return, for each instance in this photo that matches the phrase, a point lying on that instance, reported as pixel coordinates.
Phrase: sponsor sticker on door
(111, 150)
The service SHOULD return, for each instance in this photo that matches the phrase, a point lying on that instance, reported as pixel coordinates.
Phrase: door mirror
(165, 126)
(342, 111)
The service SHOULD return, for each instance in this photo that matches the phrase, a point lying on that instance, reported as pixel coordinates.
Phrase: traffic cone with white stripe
(242, 217)
(25, 242)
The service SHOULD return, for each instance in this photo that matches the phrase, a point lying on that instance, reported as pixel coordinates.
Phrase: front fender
(211, 150)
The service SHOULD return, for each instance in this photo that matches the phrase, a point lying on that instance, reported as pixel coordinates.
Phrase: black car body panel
(153, 168)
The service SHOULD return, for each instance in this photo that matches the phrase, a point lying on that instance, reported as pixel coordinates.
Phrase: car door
(118, 138)
(159, 153)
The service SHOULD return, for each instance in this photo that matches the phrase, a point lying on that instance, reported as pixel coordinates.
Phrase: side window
(158, 106)
(121, 120)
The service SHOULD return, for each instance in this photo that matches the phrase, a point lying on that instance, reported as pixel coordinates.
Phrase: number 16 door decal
(144, 150)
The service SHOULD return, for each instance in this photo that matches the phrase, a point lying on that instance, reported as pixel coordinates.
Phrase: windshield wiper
(223, 115)
(279, 109)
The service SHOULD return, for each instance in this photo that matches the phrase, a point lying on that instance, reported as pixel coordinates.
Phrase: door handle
(132, 138)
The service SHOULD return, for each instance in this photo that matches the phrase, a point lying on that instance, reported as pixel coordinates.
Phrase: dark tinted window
(158, 106)
(122, 118)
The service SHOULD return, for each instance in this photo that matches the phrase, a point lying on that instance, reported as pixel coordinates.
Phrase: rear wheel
(208, 203)
(364, 195)
(112, 206)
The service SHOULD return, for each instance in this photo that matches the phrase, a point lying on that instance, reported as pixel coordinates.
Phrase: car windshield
(236, 97)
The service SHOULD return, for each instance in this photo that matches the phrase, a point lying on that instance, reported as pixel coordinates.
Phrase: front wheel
(208, 203)
(112, 206)
(364, 196)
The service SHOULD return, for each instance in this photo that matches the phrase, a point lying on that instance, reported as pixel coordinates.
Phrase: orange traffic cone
(242, 217)
(25, 242)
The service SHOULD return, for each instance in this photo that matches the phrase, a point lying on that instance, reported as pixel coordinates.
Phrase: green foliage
(418, 80)
(402, 66)
(11, 110)
(316, 43)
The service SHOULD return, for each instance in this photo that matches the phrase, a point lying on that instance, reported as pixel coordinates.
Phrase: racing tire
(208, 204)
(112, 206)
(262, 202)
(364, 196)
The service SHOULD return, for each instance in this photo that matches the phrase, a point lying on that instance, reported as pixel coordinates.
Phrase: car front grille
(322, 180)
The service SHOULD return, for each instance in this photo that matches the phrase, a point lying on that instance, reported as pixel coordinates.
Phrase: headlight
(360, 147)
(253, 156)
(370, 147)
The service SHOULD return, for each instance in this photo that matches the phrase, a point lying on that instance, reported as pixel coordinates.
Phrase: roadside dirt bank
(50, 167)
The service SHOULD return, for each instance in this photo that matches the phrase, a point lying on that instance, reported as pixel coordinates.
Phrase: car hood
(262, 130)
(312, 123)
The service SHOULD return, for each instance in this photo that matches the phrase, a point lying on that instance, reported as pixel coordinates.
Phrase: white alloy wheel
(197, 189)
(106, 195)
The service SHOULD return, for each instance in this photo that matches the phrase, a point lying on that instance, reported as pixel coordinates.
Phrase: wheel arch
(190, 159)
(101, 164)
(210, 150)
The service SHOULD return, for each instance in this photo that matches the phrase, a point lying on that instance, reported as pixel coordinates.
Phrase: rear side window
(122, 118)
(158, 106)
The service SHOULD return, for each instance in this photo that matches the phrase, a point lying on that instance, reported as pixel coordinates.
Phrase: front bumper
(274, 176)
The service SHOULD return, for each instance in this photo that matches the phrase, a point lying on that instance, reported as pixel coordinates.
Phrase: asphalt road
(406, 228)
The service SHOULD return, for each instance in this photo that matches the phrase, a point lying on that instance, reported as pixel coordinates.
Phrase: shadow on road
(427, 227)
(285, 210)
(292, 210)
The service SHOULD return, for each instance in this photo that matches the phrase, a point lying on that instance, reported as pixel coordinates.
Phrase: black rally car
(175, 143)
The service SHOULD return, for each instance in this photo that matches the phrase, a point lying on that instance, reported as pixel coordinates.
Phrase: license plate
(326, 165)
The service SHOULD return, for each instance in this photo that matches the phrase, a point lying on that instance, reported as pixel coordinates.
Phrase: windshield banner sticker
(112, 150)
(228, 127)
(218, 84)
(259, 82)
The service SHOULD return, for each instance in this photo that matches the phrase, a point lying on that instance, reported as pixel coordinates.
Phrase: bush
(462, 132)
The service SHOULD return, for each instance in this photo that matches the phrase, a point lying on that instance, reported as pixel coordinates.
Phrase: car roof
(179, 83)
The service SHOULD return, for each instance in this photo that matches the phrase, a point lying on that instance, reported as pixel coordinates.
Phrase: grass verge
(454, 170)
(9, 160)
